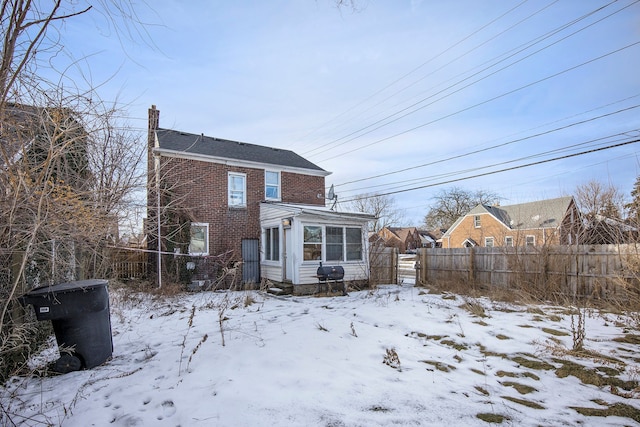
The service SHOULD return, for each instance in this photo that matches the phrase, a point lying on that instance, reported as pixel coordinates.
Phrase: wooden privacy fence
(128, 264)
(383, 265)
(601, 271)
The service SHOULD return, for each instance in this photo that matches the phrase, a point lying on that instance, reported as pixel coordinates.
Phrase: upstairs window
(476, 221)
(272, 185)
(237, 189)
(199, 241)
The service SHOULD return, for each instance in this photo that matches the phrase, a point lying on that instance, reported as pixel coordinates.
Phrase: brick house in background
(541, 223)
(262, 206)
(403, 238)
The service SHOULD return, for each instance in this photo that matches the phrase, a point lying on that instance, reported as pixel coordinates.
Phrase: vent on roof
(535, 217)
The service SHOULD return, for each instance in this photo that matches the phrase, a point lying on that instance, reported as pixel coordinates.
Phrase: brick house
(403, 238)
(262, 206)
(541, 223)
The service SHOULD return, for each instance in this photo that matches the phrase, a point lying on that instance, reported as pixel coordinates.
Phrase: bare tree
(452, 203)
(601, 206)
(382, 207)
(68, 166)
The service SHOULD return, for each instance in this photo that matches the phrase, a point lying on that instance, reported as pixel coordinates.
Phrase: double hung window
(237, 189)
(199, 239)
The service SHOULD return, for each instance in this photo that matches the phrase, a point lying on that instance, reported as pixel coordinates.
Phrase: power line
(414, 70)
(502, 95)
(498, 171)
(511, 53)
(459, 156)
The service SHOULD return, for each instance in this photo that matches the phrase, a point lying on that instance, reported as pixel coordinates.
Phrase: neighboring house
(259, 205)
(545, 222)
(403, 238)
(428, 239)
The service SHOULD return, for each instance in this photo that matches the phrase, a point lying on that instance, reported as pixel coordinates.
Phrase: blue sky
(396, 85)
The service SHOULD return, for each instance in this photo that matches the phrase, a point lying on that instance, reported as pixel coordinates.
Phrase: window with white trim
(199, 239)
(335, 243)
(530, 241)
(312, 243)
(354, 243)
(332, 243)
(476, 221)
(237, 189)
(488, 242)
(272, 244)
(272, 185)
(508, 241)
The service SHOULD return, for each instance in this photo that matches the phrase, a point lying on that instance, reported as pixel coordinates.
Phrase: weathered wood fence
(383, 265)
(600, 271)
(128, 264)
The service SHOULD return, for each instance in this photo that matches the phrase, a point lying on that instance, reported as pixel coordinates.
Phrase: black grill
(335, 272)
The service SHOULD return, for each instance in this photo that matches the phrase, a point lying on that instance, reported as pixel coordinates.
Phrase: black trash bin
(79, 312)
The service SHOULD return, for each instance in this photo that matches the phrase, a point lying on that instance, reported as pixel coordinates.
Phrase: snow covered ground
(397, 355)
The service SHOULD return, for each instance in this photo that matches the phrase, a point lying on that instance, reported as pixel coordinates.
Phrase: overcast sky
(400, 97)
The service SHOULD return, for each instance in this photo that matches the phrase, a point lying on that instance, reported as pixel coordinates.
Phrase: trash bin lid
(79, 285)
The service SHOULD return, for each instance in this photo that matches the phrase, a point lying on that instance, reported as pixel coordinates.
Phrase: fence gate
(250, 261)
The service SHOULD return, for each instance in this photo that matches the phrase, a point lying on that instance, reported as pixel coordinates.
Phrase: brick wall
(490, 227)
(200, 189)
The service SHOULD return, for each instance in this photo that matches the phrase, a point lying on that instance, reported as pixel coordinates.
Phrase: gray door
(251, 261)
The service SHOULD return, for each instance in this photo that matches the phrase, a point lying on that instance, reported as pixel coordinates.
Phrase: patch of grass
(482, 390)
(488, 353)
(628, 339)
(477, 371)
(555, 332)
(454, 345)
(520, 388)
(450, 296)
(534, 310)
(615, 410)
(481, 323)
(611, 372)
(538, 319)
(439, 365)
(537, 365)
(527, 403)
(596, 356)
(554, 318)
(474, 308)
(492, 418)
(502, 337)
(525, 374)
(525, 326)
(591, 376)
